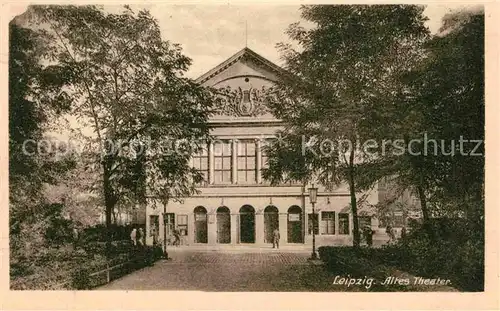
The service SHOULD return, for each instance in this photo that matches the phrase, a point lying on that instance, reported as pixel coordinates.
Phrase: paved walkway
(241, 269)
(235, 271)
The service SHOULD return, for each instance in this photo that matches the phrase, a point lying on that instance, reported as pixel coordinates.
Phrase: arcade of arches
(247, 226)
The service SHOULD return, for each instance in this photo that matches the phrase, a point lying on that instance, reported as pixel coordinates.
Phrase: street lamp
(165, 253)
(313, 193)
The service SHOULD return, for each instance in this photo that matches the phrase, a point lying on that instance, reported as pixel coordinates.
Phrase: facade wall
(233, 210)
(258, 202)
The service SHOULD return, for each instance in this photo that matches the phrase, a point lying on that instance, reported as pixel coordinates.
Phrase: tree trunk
(425, 212)
(109, 203)
(423, 204)
(354, 207)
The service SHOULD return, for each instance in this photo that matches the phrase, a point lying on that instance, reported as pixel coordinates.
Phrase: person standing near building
(403, 232)
(76, 237)
(177, 237)
(133, 236)
(140, 237)
(368, 233)
(276, 238)
(154, 232)
(390, 232)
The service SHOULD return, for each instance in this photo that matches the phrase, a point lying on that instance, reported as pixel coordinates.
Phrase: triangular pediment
(244, 63)
(247, 77)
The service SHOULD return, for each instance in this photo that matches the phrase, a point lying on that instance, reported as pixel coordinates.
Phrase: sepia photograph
(247, 148)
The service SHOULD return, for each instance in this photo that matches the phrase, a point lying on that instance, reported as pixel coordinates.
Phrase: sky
(209, 34)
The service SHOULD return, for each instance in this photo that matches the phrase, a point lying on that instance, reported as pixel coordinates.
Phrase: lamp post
(165, 253)
(313, 193)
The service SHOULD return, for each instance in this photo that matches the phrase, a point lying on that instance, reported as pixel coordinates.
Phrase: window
(395, 219)
(327, 222)
(265, 164)
(310, 223)
(200, 163)
(264, 158)
(222, 162)
(154, 225)
(343, 223)
(246, 162)
(383, 222)
(399, 220)
(364, 221)
(182, 224)
(169, 220)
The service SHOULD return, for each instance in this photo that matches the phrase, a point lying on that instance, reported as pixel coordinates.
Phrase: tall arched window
(295, 224)
(271, 222)
(200, 225)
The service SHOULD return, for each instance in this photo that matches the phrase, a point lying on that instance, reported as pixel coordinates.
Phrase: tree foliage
(36, 97)
(348, 63)
(127, 85)
(444, 104)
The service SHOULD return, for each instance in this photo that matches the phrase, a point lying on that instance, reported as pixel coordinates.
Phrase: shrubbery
(445, 250)
(452, 250)
(65, 267)
(99, 233)
(80, 278)
(127, 257)
(357, 263)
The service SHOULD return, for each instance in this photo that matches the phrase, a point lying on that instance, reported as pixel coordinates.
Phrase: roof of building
(242, 54)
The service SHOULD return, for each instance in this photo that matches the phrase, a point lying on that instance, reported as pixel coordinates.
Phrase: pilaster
(234, 159)
(211, 163)
(234, 228)
(283, 223)
(259, 228)
(212, 229)
(258, 162)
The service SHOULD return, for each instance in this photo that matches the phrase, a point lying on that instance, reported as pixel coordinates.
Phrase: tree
(449, 92)
(127, 85)
(36, 96)
(347, 65)
(443, 103)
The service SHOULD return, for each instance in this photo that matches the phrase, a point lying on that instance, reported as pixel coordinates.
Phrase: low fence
(85, 278)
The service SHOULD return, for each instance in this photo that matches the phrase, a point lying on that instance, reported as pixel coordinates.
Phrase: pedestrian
(390, 232)
(276, 238)
(76, 237)
(368, 233)
(403, 232)
(155, 236)
(140, 237)
(177, 237)
(133, 236)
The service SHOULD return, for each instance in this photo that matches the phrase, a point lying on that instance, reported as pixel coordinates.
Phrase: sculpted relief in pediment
(239, 102)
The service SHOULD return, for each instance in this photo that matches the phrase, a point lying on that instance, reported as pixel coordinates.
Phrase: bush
(348, 260)
(80, 279)
(460, 261)
(157, 252)
(445, 249)
(445, 252)
(99, 233)
(357, 263)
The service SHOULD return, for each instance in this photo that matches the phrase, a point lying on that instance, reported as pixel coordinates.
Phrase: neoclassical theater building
(236, 206)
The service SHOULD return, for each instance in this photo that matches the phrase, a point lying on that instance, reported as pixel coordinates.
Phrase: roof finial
(246, 33)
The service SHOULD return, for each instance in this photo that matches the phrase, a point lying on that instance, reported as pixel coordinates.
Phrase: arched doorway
(271, 222)
(223, 225)
(247, 224)
(200, 225)
(295, 224)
